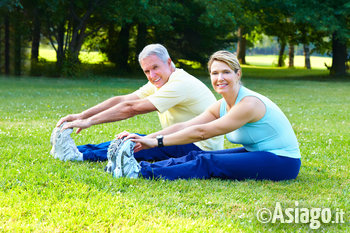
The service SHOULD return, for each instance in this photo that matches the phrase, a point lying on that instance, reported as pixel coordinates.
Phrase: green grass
(41, 194)
(94, 57)
(299, 61)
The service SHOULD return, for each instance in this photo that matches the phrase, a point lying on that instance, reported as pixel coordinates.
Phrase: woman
(270, 148)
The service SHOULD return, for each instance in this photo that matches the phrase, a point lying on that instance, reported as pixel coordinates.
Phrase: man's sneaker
(112, 155)
(65, 148)
(53, 139)
(126, 164)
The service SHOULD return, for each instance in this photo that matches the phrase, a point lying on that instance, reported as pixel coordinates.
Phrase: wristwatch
(160, 140)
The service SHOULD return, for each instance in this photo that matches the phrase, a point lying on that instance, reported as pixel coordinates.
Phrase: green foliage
(41, 194)
(9, 4)
(191, 29)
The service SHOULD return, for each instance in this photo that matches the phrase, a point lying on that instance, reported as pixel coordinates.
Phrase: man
(175, 94)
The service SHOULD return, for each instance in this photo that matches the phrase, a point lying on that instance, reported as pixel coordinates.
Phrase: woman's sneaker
(112, 155)
(126, 164)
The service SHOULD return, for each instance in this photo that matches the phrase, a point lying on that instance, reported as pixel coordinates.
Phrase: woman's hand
(142, 142)
(122, 135)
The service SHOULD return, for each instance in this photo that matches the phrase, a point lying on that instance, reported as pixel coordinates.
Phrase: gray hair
(155, 49)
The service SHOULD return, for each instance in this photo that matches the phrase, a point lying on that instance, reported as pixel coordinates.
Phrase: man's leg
(98, 152)
(95, 152)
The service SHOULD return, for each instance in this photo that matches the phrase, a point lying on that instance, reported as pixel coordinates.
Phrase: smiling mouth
(156, 80)
(221, 85)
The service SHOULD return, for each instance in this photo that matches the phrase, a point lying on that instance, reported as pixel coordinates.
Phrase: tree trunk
(35, 42)
(60, 47)
(281, 54)
(241, 45)
(17, 47)
(339, 56)
(141, 37)
(307, 56)
(1, 47)
(35, 39)
(110, 49)
(7, 45)
(122, 48)
(76, 42)
(291, 55)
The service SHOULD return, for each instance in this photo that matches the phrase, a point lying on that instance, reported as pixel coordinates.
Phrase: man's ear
(169, 61)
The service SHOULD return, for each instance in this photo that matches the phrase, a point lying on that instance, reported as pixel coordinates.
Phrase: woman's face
(223, 78)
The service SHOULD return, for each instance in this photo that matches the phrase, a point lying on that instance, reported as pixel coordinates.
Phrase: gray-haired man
(175, 94)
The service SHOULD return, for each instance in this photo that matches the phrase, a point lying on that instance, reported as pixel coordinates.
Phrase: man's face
(156, 70)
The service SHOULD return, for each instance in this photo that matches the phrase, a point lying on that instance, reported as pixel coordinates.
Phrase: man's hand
(68, 118)
(80, 124)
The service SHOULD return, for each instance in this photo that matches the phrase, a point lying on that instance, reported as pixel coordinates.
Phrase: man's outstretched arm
(119, 112)
(98, 108)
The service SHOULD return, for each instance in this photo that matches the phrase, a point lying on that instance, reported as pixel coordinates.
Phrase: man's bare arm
(119, 112)
(98, 108)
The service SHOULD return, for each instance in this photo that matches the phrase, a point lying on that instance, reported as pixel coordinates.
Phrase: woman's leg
(234, 164)
(166, 152)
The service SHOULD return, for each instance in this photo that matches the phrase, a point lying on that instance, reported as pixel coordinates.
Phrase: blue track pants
(98, 152)
(236, 164)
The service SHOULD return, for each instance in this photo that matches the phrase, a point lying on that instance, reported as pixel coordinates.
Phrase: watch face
(160, 140)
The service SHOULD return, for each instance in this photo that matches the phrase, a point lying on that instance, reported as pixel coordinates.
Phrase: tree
(333, 19)
(15, 33)
(193, 34)
(35, 13)
(239, 19)
(275, 20)
(67, 25)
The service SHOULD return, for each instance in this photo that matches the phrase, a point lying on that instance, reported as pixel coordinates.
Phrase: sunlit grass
(41, 194)
(299, 61)
(94, 57)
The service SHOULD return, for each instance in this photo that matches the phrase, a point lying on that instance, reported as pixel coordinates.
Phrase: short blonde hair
(225, 56)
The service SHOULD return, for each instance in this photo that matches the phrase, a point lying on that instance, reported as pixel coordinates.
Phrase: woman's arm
(249, 109)
(211, 114)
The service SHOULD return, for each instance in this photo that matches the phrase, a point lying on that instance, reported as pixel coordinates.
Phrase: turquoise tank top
(272, 133)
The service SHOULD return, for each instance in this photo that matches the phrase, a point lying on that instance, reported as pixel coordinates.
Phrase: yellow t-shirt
(182, 98)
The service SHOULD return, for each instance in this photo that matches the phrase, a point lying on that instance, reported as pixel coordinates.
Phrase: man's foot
(126, 164)
(65, 148)
(112, 155)
(53, 139)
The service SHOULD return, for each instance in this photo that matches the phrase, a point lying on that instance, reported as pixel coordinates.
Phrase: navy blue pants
(236, 164)
(98, 152)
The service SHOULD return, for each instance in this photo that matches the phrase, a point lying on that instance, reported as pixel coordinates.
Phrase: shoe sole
(112, 155)
(126, 160)
(60, 147)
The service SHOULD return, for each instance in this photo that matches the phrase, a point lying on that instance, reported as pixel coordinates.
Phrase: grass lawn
(299, 61)
(256, 60)
(41, 194)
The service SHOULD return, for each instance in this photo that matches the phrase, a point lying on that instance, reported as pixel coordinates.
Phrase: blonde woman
(270, 149)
